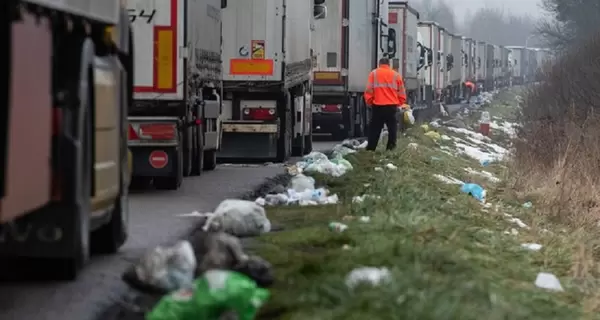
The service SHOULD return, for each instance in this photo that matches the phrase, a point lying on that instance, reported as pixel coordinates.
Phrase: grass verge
(450, 256)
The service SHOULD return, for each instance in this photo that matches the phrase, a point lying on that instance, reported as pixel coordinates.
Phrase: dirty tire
(210, 160)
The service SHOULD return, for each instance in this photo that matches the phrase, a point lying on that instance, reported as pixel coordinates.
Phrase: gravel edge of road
(125, 305)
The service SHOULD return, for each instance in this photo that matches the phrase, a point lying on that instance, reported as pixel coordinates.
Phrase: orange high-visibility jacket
(385, 87)
(470, 85)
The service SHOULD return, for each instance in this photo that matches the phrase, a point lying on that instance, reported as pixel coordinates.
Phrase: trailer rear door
(158, 32)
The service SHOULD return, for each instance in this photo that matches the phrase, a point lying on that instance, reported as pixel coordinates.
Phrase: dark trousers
(381, 115)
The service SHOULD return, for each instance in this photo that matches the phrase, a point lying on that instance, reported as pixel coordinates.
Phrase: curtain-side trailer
(481, 62)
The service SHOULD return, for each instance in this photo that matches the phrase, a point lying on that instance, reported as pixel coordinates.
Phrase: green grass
(449, 256)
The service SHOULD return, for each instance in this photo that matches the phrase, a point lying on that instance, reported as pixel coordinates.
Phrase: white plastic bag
(240, 218)
(168, 268)
(301, 182)
(408, 116)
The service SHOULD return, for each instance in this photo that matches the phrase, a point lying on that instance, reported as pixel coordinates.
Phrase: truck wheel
(173, 182)
(210, 160)
(308, 144)
(80, 251)
(198, 158)
(110, 237)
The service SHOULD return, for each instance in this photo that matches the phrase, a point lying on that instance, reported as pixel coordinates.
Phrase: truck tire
(110, 237)
(173, 182)
(198, 158)
(79, 253)
(308, 143)
(210, 160)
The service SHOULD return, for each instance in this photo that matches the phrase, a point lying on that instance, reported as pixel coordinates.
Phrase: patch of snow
(508, 128)
(448, 180)
(484, 174)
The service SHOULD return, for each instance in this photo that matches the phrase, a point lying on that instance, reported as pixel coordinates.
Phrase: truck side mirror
(392, 47)
(422, 52)
(223, 4)
(319, 9)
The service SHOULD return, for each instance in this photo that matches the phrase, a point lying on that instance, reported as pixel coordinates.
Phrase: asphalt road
(153, 222)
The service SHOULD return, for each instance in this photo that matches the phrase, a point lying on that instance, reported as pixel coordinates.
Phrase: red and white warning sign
(158, 159)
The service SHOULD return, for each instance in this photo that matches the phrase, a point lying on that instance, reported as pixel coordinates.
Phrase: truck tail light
(331, 108)
(152, 131)
(261, 114)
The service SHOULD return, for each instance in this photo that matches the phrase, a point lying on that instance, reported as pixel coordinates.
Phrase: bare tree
(569, 21)
(438, 11)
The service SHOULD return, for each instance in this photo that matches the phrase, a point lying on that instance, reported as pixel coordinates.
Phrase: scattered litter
(368, 275)
(484, 162)
(512, 231)
(519, 223)
(364, 219)
(391, 166)
(300, 182)
(448, 180)
(435, 123)
(532, 246)
(548, 281)
(413, 146)
(317, 162)
(360, 199)
(378, 169)
(337, 227)
(164, 269)
(346, 247)
(260, 201)
(434, 158)
(475, 190)
(213, 296)
(425, 127)
(238, 217)
(433, 135)
(527, 204)
(445, 137)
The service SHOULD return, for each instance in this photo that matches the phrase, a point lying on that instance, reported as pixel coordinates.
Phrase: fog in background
(503, 22)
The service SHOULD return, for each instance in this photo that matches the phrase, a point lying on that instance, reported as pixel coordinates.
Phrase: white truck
(347, 45)
(174, 123)
(430, 32)
(267, 78)
(403, 23)
(64, 170)
(456, 67)
(497, 62)
(490, 67)
(480, 62)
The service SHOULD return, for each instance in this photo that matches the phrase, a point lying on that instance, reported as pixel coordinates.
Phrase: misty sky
(515, 6)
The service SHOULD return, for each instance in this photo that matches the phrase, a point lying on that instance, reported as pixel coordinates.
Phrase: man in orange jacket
(385, 93)
(470, 89)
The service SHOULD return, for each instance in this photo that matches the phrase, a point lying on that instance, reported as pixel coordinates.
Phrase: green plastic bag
(216, 292)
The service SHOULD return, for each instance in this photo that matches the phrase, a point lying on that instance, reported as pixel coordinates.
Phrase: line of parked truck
(101, 94)
(434, 62)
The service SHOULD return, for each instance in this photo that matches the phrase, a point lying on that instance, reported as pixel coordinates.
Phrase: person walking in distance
(385, 93)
